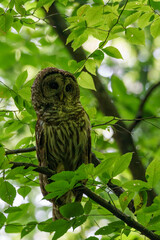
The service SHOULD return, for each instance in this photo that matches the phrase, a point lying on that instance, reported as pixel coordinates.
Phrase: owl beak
(61, 96)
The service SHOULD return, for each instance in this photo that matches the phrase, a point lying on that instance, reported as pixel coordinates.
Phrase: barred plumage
(63, 127)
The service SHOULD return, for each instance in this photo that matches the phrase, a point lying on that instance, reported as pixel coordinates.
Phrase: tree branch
(44, 170)
(22, 150)
(116, 212)
(139, 114)
(102, 202)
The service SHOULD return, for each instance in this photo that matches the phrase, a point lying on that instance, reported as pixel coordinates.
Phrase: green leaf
(105, 230)
(122, 163)
(2, 220)
(14, 228)
(18, 100)
(155, 28)
(21, 79)
(85, 80)
(4, 92)
(112, 52)
(18, 172)
(98, 2)
(46, 226)
(71, 210)
(29, 228)
(98, 56)
(7, 192)
(152, 172)
(75, 66)
(2, 155)
(24, 191)
(155, 221)
(40, 3)
(57, 189)
(145, 19)
(105, 166)
(118, 86)
(14, 216)
(65, 175)
(80, 28)
(11, 4)
(28, 22)
(94, 16)
(64, 2)
(136, 185)
(91, 66)
(79, 40)
(88, 207)
(155, 4)
(92, 238)
(143, 218)
(12, 126)
(135, 36)
(60, 227)
(97, 33)
(110, 228)
(82, 10)
(17, 25)
(1, 11)
(125, 199)
(19, 7)
(6, 21)
(132, 18)
(13, 209)
(78, 221)
(25, 93)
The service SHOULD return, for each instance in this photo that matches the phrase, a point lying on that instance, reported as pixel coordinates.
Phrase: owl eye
(69, 87)
(53, 85)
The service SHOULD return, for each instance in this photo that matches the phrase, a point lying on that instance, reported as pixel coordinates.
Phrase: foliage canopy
(113, 49)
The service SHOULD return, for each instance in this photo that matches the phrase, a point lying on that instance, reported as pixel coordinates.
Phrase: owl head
(54, 86)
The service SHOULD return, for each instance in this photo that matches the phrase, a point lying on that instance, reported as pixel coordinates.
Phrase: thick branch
(116, 212)
(139, 114)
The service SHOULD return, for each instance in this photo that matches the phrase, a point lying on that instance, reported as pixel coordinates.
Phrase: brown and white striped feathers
(63, 127)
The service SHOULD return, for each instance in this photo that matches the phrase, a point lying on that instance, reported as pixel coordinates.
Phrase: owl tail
(66, 198)
(56, 213)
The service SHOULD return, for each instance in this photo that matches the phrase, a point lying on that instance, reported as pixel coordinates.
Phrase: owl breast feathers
(63, 127)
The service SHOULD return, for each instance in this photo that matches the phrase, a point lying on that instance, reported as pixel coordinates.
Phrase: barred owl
(62, 129)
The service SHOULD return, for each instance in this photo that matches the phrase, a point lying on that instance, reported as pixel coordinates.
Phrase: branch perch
(116, 189)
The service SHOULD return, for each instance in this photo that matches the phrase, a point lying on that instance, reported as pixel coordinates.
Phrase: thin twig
(102, 44)
(22, 150)
(141, 106)
(36, 168)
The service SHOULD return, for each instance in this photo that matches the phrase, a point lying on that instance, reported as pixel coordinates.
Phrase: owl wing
(88, 145)
(41, 153)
